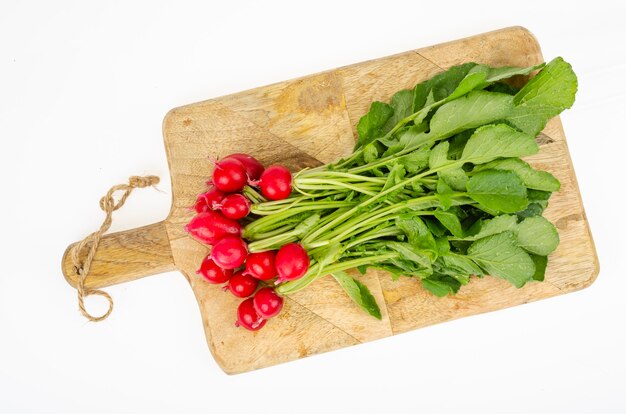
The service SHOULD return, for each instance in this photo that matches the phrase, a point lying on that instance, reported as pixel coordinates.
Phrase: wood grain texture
(125, 256)
(308, 121)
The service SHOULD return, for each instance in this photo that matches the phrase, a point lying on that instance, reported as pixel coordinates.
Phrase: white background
(83, 89)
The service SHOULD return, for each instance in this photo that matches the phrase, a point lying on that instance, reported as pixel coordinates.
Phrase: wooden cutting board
(311, 120)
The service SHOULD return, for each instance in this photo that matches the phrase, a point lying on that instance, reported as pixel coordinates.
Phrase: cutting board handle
(125, 256)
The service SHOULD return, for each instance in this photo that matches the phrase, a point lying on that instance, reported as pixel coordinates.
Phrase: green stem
(260, 209)
(354, 156)
(318, 184)
(357, 153)
(314, 273)
(312, 235)
(391, 231)
(268, 205)
(271, 233)
(252, 195)
(271, 242)
(268, 221)
(354, 225)
(386, 160)
(333, 215)
(318, 231)
(337, 174)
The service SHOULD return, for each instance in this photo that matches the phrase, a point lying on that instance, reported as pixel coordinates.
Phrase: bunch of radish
(220, 213)
(435, 191)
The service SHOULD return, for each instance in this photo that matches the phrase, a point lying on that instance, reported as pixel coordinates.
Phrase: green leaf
(443, 245)
(539, 196)
(459, 267)
(449, 221)
(475, 79)
(541, 262)
(412, 254)
(307, 224)
(411, 136)
(439, 155)
(460, 212)
(498, 190)
(487, 210)
(396, 174)
(538, 180)
(441, 285)
(496, 141)
(456, 178)
(329, 254)
(504, 72)
(371, 125)
(435, 227)
(370, 152)
(405, 267)
(480, 107)
(502, 87)
(457, 143)
(440, 86)
(537, 235)
(394, 149)
(470, 111)
(415, 160)
(544, 96)
(480, 76)
(499, 256)
(533, 209)
(430, 101)
(554, 86)
(418, 234)
(537, 202)
(456, 92)
(444, 194)
(420, 125)
(402, 104)
(493, 226)
(359, 293)
(417, 188)
(460, 80)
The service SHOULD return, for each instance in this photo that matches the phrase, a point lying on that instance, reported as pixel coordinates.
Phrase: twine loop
(108, 205)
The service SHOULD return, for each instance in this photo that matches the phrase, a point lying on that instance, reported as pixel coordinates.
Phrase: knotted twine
(108, 205)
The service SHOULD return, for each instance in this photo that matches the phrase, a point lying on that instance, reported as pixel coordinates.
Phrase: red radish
(261, 265)
(247, 316)
(235, 206)
(230, 252)
(275, 182)
(229, 175)
(212, 273)
(292, 262)
(267, 303)
(209, 200)
(242, 285)
(253, 167)
(211, 226)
